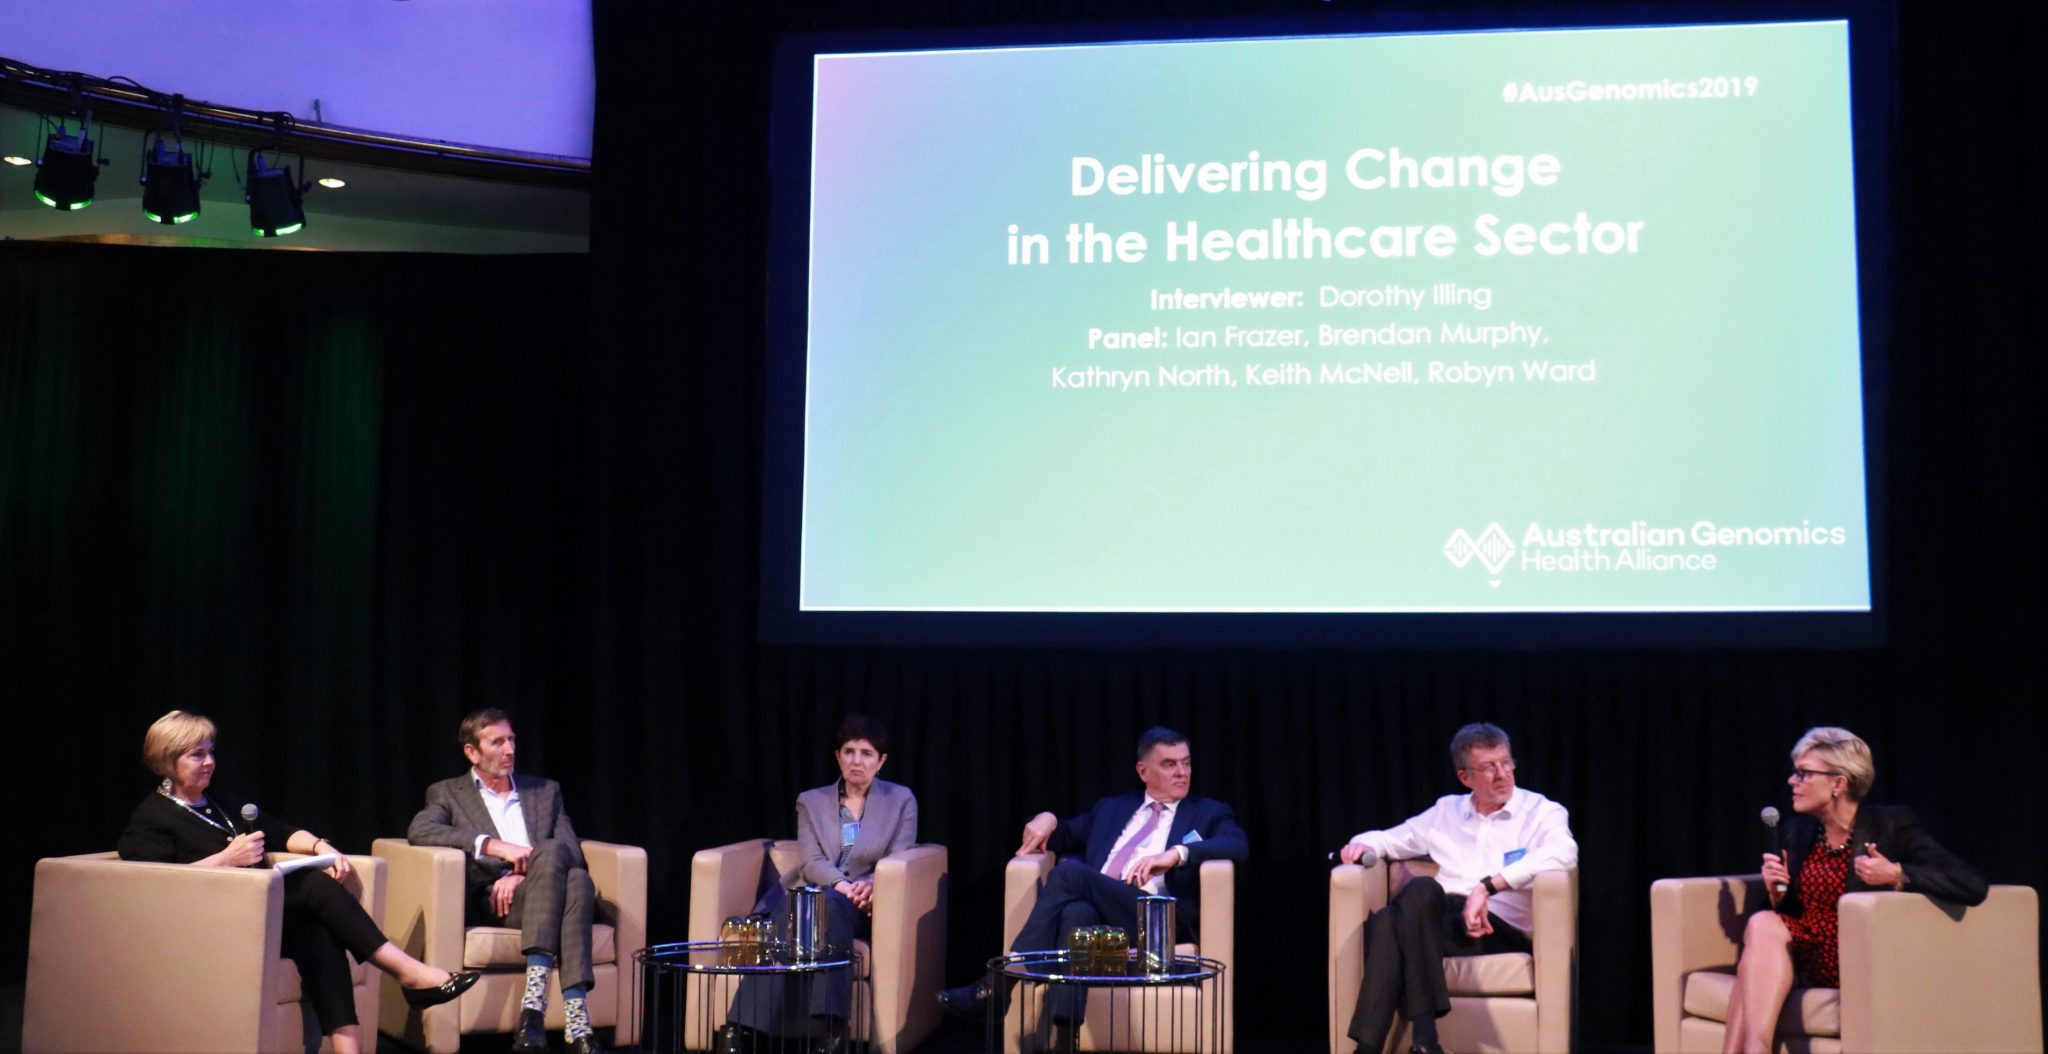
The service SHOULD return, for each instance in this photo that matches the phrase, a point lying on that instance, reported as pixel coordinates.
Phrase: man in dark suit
(1151, 841)
(526, 870)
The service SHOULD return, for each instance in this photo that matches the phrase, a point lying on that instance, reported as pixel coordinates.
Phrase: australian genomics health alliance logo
(1639, 546)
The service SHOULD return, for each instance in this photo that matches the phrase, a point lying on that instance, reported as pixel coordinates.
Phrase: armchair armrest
(424, 904)
(1354, 889)
(1554, 902)
(723, 881)
(102, 929)
(909, 941)
(1695, 924)
(1021, 878)
(1921, 974)
(1218, 936)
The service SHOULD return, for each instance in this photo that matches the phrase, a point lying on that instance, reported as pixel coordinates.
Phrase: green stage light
(275, 204)
(67, 172)
(170, 184)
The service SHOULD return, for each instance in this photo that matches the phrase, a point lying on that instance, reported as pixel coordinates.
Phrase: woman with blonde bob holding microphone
(179, 823)
(1837, 843)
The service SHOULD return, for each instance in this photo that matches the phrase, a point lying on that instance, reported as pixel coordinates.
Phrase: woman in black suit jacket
(1837, 843)
(180, 823)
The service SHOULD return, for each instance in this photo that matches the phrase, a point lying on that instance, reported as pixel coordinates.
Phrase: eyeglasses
(1493, 768)
(1802, 775)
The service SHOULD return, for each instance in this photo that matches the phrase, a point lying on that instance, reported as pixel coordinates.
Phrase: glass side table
(1173, 1008)
(690, 989)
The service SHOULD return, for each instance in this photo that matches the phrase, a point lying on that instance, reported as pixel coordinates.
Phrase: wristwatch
(1488, 883)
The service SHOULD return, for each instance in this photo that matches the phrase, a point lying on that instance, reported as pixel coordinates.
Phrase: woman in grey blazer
(843, 830)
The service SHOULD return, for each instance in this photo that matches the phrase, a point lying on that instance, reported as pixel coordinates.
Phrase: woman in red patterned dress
(1836, 844)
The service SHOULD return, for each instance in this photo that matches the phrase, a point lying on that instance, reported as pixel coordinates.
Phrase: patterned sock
(536, 997)
(577, 1010)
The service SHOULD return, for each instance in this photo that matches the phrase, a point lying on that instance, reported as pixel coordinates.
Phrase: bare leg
(1763, 977)
(410, 972)
(346, 1040)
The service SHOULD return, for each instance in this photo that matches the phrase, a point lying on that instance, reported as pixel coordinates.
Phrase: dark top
(1929, 868)
(162, 831)
(1206, 826)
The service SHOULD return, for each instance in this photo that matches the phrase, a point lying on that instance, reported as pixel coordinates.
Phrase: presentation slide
(1515, 321)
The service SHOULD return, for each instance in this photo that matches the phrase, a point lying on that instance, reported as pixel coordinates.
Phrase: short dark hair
(861, 726)
(475, 722)
(1158, 736)
(1473, 736)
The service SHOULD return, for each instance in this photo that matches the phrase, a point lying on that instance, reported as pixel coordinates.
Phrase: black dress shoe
(456, 984)
(969, 1002)
(1425, 1048)
(834, 1040)
(587, 1043)
(530, 1036)
(733, 1038)
(1063, 1038)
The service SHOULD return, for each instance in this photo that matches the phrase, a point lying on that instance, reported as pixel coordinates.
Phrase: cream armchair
(131, 956)
(425, 917)
(1513, 1001)
(1182, 1011)
(896, 970)
(1917, 974)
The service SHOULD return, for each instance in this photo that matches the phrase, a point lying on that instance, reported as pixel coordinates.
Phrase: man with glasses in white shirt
(1489, 845)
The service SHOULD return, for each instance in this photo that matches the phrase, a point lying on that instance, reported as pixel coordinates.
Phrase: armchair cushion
(1507, 973)
(487, 947)
(1808, 1011)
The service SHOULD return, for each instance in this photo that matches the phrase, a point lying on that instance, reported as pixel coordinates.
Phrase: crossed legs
(1763, 977)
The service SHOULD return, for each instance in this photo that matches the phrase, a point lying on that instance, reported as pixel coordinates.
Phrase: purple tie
(1122, 859)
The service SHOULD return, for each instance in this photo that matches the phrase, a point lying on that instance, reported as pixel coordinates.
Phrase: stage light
(67, 171)
(170, 184)
(332, 183)
(16, 160)
(276, 207)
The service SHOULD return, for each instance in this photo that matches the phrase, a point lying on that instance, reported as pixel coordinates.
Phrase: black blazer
(1206, 826)
(161, 831)
(1929, 868)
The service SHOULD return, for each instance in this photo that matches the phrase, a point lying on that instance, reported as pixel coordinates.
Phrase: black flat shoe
(455, 985)
(968, 1002)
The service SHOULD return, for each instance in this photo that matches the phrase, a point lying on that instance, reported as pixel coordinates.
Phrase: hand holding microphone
(1776, 878)
(1354, 853)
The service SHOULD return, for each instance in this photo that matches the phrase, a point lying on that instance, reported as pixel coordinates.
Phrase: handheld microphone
(1774, 840)
(1370, 858)
(249, 813)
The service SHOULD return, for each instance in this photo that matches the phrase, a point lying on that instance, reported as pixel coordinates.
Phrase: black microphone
(1370, 858)
(1774, 839)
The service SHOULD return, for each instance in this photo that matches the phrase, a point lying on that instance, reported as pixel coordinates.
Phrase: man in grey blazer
(526, 870)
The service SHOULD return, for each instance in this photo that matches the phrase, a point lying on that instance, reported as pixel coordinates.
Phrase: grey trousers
(553, 909)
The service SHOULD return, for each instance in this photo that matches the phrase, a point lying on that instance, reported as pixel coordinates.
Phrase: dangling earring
(164, 787)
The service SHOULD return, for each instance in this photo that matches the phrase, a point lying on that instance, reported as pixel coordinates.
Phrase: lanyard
(228, 830)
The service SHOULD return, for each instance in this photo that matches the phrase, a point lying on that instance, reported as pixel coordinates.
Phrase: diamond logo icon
(1493, 547)
(1460, 549)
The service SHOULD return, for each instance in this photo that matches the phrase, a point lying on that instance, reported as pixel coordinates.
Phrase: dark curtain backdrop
(336, 501)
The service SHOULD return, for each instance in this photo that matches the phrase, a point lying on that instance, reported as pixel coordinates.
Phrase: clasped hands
(1137, 873)
(859, 890)
(508, 883)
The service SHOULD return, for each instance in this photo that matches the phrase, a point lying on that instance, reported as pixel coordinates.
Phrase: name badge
(1512, 856)
(848, 832)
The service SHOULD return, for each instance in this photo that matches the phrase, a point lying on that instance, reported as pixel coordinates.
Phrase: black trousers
(1405, 946)
(322, 921)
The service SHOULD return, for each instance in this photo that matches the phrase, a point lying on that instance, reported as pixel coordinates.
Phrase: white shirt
(1468, 847)
(504, 810)
(1154, 843)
